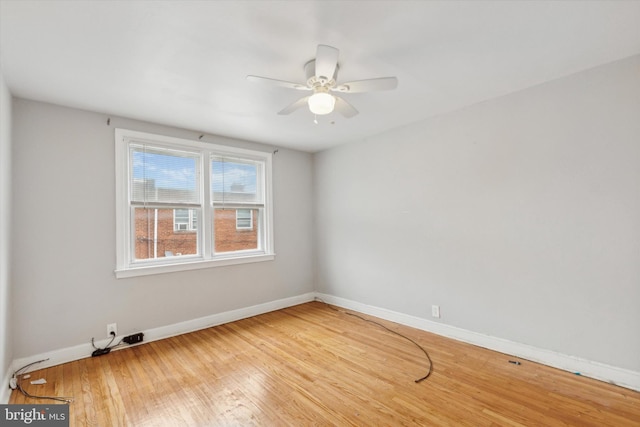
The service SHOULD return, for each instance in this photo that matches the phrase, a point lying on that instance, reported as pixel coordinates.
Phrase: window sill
(189, 265)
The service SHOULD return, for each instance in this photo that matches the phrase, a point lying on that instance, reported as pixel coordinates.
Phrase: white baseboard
(82, 351)
(600, 371)
(5, 391)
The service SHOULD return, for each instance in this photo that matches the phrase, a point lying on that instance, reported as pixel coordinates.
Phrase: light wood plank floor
(314, 365)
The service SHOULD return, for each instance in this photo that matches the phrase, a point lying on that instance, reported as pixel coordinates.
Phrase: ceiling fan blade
(281, 83)
(370, 85)
(344, 108)
(293, 107)
(326, 61)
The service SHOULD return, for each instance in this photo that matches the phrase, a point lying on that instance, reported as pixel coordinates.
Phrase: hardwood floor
(314, 365)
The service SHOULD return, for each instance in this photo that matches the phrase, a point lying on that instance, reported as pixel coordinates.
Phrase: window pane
(236, 181)
(164, 175)
(155, 236)
(243, 213)
(228, 238)
(181, 216)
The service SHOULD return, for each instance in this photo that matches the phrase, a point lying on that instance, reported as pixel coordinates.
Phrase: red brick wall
(180, 242)
(227, 237)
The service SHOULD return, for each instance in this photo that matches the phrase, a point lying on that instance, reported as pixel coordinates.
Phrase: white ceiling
(184, 63)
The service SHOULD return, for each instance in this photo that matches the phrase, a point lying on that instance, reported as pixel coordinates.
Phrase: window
(244, 219)
(187, 204)
(185, 220)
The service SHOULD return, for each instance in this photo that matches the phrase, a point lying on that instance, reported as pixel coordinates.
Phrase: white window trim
(125, 268)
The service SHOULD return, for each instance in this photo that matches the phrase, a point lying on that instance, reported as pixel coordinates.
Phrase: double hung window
(187, 204)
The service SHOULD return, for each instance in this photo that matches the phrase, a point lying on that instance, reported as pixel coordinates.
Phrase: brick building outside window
(172, 232)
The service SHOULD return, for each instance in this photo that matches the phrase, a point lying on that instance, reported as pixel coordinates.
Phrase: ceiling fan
(322, 73)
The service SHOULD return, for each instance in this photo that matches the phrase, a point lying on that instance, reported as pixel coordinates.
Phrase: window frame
(125, 265)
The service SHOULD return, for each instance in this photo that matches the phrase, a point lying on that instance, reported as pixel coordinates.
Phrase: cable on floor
(429, 371)
(16, 375)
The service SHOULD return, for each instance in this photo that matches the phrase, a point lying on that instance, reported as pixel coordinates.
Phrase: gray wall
(64, 237)
(6, 345)
(519, 216)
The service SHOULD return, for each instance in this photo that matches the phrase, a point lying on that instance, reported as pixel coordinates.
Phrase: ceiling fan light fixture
(321, 103)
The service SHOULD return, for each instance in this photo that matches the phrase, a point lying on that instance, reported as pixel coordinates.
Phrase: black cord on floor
(60, 399)
(17, 373)
(430, 370)
(106, 349)
(113, 337)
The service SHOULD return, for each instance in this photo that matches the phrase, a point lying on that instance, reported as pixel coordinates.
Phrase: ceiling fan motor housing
(313, 81)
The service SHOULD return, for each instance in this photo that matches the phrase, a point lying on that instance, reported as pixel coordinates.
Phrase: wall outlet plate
(435, 311)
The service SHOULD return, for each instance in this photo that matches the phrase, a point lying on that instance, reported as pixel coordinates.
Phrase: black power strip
(100, 351)
(133, 339)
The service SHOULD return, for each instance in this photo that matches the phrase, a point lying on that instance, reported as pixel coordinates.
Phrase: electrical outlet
(112, 327)
(435, 311)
